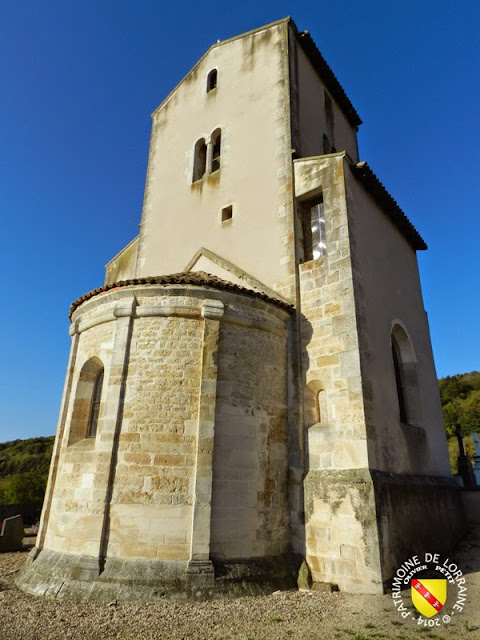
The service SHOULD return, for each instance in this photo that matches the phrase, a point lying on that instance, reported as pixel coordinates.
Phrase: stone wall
(364, 510)
(341, 534)
(249, 504)
(177, 474)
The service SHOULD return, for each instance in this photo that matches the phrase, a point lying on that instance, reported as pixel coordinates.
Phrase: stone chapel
(253, 387)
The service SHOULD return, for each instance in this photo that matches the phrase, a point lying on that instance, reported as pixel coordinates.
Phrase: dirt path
(288, 615)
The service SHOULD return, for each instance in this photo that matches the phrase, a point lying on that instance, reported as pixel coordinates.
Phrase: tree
(23, 487)
(470, 413)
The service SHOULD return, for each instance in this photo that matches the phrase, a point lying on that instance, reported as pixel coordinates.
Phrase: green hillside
(24, 468)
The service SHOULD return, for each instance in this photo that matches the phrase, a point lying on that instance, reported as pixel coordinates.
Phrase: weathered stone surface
(304, 577)
(189, 462)
(63, 575)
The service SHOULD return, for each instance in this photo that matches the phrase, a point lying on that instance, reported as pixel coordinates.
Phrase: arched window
(212, 80)
(86, 406)
(405, 372)
(199, 159)
(216, 149)
(95, 407)
(399, 380)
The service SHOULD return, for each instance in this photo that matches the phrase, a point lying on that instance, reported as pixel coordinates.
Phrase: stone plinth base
(62, 575)
(361, 525)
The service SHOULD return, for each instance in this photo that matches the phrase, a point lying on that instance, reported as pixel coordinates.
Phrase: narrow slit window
(212, 80)
(199, 159)
(95, 407)
(400, 381)
(216, 149)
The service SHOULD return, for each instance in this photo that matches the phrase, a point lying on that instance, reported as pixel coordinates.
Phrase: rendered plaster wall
(123, 265)
(341, 536)
(308, 109)
(250, 105)
(388, 292)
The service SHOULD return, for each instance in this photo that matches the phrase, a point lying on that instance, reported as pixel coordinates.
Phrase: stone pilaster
(52, 476)
(212, 312)
(92, 563)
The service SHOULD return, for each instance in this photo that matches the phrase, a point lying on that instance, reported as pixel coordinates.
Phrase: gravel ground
(286, 615)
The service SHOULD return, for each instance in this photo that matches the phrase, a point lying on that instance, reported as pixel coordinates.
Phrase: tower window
(400, 381)
(313, 228)
(227, 213)
(216, 148)
(199, 159)
(406, 382)
(95, 407)
(212, 80)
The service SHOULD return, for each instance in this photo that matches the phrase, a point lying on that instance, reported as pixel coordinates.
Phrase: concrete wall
(250, 105)
(388, 293)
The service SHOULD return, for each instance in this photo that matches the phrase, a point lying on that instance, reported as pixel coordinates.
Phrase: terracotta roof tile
(199, 278)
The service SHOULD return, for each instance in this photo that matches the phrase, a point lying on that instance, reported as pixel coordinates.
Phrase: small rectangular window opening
(227, 213)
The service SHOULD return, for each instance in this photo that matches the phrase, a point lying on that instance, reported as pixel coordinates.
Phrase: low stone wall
(471, 504)
(416, 514)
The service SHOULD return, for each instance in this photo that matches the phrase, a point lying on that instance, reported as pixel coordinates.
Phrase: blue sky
(78, 81)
